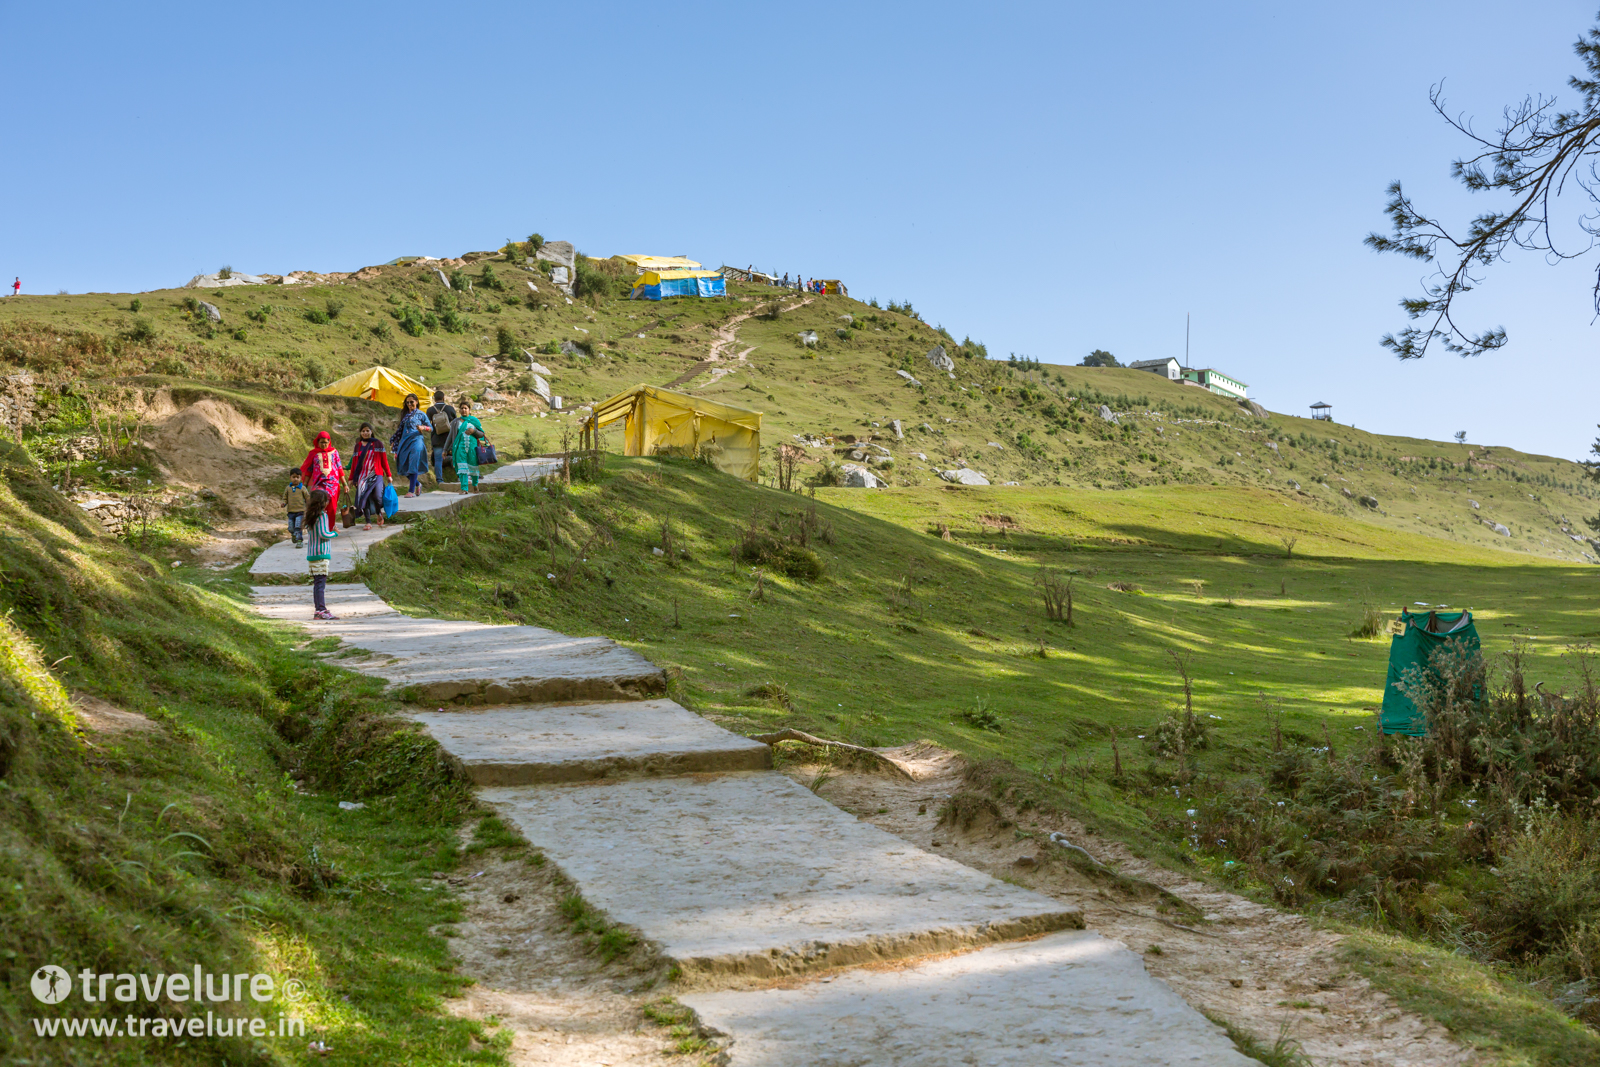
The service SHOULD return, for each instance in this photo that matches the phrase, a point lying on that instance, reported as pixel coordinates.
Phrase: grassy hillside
(1031, 424)
(848, 615)
(200, 825)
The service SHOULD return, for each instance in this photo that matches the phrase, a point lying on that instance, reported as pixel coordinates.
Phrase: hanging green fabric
(1420, 637)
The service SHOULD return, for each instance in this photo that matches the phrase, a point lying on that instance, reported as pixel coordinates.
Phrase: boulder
(921, 455)
(561, 253)
(217, 281)
(907, 376)
(1107, 414)
(444, 279)
(570, 349)
(211, 311)
(1272, 445)
(561, 276)
(899, 431)
(1255, 409)
(1474, 504)
(926, 428)
(541, 387)
(1294, 484)
(937, 357)
(807, 337)
(997, 444)
(1348, 493)
(964, 476)
(848, 320)
(879, 450)
(858, 477)
(1369, 502)
(1500, 529)
(534, 365)
(491, 394)
(858, 454)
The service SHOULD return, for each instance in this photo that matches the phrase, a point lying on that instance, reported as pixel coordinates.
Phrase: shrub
(489, 279)
(411, 321)
(318, 316)
(225, 273)
(141, 332)
(1372, 624)
(259, 314)
(506, 342)
(383, 332)
(334, 307)
(316, 371)
(135, 305)
(241, 334)
(454, 322)
(535, 242)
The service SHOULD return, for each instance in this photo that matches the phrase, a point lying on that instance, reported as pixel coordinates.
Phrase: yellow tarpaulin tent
(644, 263)
(381, 384)
(658, 418)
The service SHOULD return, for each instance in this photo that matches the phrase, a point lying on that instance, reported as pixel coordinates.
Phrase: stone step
(353, 542)
(754, 875)
(1068, 998)
(438, 661)
(529, 744)
(522, 470)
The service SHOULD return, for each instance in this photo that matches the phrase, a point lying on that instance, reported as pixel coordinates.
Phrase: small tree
(1057, 596)
(1288, 544)
(1100, 358)
(1461, 437)
(787, 463)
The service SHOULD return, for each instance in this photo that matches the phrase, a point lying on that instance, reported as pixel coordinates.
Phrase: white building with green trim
(1217, 382)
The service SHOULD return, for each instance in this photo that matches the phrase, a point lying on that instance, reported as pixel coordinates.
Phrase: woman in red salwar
(324, 469)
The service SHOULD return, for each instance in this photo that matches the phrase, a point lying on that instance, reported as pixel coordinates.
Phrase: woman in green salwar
(466, 433)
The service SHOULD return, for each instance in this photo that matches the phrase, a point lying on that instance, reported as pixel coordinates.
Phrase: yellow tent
(644, 263)
(658, 418)
(381, 384)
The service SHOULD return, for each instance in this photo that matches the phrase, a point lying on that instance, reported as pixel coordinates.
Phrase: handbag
(347, 515)
(486, 455)
(391, 502)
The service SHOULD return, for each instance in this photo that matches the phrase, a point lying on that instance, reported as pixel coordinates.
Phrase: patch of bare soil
(211, 445)
(558, 1002)
(98, 717)
(1259, 968)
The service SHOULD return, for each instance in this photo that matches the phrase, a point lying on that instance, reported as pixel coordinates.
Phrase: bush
(316, 371)
(318, 316)
(411, 321)
(489, 279)
(506, 342)
(334, 307)
(535, 242)
(383, 332)
(135, 305)
(241, 334)
(141, 332)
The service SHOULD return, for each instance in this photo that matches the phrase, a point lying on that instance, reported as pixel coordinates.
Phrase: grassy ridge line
(188, 843)
(1044, 416)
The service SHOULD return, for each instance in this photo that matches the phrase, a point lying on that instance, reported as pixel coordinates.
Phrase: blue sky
(1046, 178)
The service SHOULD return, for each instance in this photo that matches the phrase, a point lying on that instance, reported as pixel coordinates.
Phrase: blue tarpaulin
(658, 285)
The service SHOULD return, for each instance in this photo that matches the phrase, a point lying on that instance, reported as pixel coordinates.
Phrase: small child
(319, 533)
(294, 502)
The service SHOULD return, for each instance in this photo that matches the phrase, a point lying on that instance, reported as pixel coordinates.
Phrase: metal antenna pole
(1185, 340)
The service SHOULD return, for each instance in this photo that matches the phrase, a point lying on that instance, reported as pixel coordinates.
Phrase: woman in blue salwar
(410, 443)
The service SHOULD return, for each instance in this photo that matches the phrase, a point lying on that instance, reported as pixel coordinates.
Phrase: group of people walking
(444, 432)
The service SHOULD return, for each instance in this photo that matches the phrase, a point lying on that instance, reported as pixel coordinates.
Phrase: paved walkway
(676, 827)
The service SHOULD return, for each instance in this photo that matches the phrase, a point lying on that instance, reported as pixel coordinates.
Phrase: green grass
(905, 634)
(1044, 417)
(190, 844)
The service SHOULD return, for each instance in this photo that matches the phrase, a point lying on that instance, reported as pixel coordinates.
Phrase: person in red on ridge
(16, 287)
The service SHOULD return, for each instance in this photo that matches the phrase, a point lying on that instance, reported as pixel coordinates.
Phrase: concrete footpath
(803, 934)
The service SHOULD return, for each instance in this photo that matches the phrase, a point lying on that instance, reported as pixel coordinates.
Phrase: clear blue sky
(1047, 178)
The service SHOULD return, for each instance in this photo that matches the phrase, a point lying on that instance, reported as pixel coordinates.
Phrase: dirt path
(1260, 968)
(538, 981)
(727, 335)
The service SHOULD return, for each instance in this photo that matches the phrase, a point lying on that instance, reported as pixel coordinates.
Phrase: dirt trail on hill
(559, 1003)
(727, 336)
(1241, 961)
